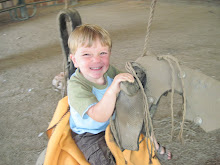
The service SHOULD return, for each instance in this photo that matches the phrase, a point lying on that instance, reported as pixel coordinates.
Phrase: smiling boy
(92, 91)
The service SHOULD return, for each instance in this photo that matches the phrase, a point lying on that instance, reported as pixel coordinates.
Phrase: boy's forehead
(96, 43)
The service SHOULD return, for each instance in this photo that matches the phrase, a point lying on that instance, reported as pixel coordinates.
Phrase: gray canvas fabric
(129, 109)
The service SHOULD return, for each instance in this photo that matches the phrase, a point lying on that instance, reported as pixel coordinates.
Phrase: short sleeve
(80, 96)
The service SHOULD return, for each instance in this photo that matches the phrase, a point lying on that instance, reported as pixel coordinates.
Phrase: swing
(174, 78)
(58, 150)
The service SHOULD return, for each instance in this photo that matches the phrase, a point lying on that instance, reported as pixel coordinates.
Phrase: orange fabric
(62, 150)
(139, 157)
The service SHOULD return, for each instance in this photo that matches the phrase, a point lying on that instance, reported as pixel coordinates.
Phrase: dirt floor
(31, 55)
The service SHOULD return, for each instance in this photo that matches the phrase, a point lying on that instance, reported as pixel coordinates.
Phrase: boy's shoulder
(77, 80)
(112, 71)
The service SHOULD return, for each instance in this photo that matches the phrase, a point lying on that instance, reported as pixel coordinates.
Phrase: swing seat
(62, 150)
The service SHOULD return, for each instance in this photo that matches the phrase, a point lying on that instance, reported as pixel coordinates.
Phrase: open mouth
(96, 68)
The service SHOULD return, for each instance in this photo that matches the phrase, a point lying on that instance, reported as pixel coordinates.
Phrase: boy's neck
(100, 81)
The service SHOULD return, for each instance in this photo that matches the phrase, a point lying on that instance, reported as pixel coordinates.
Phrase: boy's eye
(103, 53)
(86, 54)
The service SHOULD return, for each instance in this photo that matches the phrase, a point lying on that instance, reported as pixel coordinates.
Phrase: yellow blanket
(62, 150)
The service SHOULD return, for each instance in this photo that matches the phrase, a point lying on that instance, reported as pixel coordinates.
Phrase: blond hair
(86, 35)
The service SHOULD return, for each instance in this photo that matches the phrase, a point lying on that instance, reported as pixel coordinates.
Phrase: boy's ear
(72, 57)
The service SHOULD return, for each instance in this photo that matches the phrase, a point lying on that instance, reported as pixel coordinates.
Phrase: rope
(147, 119)
(172, 94)
(168, 58)
(66, 4)
(181, 76)
(150, 20)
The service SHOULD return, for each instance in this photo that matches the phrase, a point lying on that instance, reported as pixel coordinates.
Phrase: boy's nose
(96, 59)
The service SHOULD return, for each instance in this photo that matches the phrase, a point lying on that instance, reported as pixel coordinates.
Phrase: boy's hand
(115, 86)
(96, 111)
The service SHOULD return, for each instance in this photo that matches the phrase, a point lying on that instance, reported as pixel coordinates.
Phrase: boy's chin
(97, 77)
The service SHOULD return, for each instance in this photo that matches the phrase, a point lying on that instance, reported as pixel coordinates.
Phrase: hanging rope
(172, 93)
(168, 58)
(147, 119)
(150, 20)
(66, 4)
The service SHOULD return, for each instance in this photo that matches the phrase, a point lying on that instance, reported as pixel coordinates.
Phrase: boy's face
(92, 61)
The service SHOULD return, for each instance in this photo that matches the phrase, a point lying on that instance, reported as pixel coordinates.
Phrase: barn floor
(31, 55)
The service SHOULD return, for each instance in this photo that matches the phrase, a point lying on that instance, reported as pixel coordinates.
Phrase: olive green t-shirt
(82, 93)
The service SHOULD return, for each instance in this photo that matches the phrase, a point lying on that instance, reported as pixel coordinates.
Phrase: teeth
(96, 68)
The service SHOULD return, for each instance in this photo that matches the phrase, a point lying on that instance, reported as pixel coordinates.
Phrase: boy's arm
(103, 110)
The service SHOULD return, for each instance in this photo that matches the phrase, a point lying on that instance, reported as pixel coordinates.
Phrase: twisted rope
(147, 119)
(66, 4)
(168, 58)
(150, 20)
(172, 93)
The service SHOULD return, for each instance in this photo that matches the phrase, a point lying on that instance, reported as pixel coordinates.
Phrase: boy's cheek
(107, 59)
(75, 64)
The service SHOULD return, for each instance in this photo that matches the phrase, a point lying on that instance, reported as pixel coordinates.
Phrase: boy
(92, 91)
